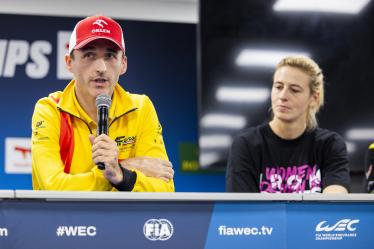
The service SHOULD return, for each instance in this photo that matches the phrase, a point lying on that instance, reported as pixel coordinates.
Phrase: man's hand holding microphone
(105, 152)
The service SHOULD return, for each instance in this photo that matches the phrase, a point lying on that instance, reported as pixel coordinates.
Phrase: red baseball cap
(96, 27)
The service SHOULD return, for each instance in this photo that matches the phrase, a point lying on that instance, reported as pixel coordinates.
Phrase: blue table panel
(61, 225)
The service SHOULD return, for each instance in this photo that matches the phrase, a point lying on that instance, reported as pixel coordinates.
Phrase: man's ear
(124, 64)
(68, 62)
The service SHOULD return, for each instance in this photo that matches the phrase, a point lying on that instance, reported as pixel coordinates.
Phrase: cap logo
(96, 27)
(100, 23)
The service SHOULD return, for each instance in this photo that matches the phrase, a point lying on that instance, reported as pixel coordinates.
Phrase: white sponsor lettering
(62, 49)
(80, 231)
(101, 31)
(3, 46)
(3, 232)
(238, 231)
(16, 53)
(342, 225)
(344, 228)
(158, 229)
(40, 66)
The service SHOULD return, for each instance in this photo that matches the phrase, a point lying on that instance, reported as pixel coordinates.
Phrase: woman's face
(291, 96)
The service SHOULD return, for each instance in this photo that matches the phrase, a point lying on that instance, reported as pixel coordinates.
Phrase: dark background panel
(342, 44)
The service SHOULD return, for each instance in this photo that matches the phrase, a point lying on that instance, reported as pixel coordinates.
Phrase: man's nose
(100, 65)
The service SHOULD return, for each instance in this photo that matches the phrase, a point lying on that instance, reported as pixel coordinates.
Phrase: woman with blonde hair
(290, 154)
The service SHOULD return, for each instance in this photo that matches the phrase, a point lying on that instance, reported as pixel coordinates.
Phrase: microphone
(103, 102)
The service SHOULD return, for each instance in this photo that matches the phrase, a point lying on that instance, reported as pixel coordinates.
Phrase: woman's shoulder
(252, 135)
(325, 135)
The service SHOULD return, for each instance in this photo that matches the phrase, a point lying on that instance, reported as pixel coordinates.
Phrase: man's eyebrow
(85, 48)
(112, 50)
(90, 48)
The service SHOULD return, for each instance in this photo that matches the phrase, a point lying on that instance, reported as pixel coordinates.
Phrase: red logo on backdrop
(23, 150)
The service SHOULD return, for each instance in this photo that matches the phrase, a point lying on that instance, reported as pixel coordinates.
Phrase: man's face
(96, 68)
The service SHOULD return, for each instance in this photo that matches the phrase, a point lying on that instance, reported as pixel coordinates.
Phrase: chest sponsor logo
(158, 138)
(124, 142)
(39, 124)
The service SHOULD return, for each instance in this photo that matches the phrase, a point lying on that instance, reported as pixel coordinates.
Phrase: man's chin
(100, 91)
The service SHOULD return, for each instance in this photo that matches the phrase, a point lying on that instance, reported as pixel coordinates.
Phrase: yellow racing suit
(62, 152)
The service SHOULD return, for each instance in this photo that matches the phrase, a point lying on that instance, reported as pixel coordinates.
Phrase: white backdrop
(180, 11)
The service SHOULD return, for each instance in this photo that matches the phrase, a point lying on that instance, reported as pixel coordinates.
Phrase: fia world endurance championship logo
(158, 229)
(345, 228)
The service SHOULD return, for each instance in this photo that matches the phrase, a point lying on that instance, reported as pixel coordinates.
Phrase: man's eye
(88, 55)
(111, 55)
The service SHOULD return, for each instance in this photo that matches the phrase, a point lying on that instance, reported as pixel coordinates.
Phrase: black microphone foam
(103, 102)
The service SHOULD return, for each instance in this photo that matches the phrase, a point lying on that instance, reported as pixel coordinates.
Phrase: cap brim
(91, 39)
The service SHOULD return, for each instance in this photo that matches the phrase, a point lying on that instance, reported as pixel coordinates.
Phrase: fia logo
(341, 225)
(158, 229)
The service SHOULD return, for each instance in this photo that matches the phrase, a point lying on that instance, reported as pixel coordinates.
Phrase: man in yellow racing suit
(65, 146)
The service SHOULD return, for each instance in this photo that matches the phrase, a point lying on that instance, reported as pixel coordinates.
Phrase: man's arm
(335, 189)
(150, 155)
(152, 167)
(105, 150)
(47, 166)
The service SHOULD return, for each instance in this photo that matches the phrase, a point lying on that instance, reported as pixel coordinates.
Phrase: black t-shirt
(260, 161)
(369, 168)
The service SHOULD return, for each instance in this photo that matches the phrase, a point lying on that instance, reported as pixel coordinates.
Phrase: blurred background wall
(161, 48)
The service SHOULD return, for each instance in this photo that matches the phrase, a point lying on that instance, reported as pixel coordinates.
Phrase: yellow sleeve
(150, 144)
(150, 184)
(47, 166)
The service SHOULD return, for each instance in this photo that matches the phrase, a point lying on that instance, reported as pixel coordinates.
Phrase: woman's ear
(315, 100)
